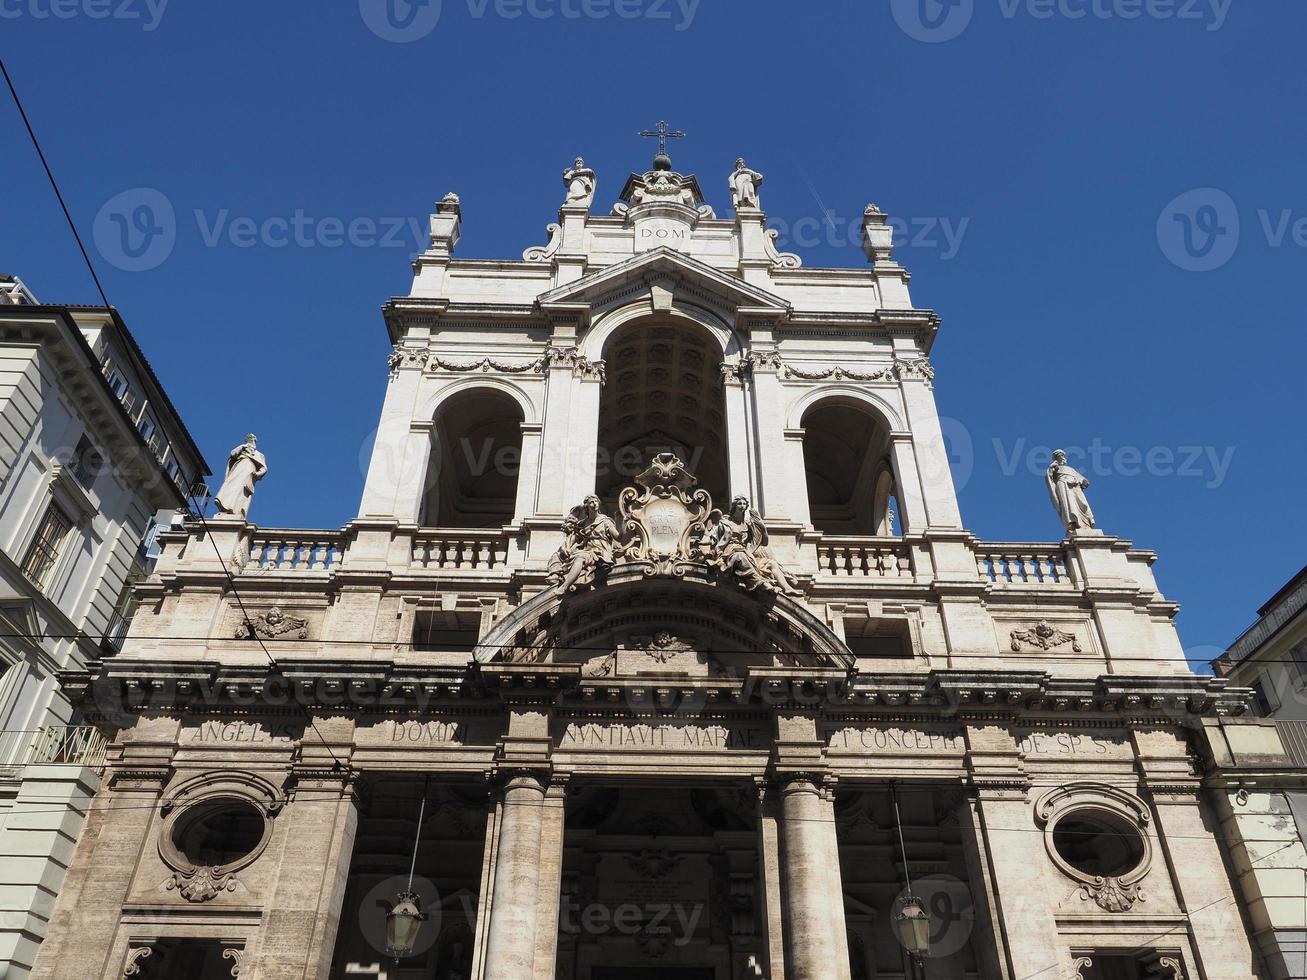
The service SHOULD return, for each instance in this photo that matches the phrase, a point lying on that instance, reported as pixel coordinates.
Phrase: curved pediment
(638, 624)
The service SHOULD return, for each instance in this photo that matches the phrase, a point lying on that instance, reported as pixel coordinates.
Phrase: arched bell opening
(476, 454)
(849, 471)
(664, 394)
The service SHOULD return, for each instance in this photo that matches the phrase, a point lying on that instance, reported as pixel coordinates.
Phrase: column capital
(511, 778)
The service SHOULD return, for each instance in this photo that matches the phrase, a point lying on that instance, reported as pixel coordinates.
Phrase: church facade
(658, 648)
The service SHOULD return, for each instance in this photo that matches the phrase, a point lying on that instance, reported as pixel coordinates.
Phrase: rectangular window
(116, 381)
(435, 631)
(44, 549)
(1261, 699)
(1299, 657)
(87, 462)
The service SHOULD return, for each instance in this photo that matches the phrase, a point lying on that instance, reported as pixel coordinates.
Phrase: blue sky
(1101, 198)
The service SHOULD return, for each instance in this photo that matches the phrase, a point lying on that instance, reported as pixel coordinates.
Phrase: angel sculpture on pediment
(737, 543)
(591, 541)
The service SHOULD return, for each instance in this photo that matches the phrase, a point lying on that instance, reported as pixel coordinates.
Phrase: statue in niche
(581, 183)
(246, 466)
(1066, 488)
(737, 544)
(591, 543)
(744, 185)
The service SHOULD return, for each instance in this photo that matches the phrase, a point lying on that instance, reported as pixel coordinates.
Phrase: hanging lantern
(912, 923)
(403, 922)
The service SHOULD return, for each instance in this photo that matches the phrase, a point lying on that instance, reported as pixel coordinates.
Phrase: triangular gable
(597, 288)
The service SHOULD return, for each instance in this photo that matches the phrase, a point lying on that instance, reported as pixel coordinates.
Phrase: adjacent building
(657, 647)
(1270, 656)
(91, 450)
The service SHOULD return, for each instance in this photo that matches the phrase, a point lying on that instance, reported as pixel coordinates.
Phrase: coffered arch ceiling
(664, 394)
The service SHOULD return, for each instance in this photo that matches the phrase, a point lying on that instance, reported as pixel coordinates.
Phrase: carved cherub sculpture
(737, 543)
(590, 543)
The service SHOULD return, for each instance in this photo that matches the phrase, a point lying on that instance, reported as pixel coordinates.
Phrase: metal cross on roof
(663, 134)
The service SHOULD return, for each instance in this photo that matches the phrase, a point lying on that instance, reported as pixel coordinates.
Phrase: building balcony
(54, 745)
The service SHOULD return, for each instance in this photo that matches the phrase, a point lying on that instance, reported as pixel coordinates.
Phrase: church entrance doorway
(659, 883)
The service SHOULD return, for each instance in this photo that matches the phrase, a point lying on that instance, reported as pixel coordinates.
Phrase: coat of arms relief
(668, 523)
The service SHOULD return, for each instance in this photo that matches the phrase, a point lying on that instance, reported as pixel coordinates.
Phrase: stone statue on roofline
(581, 183)
(744, 185)
(1066, 488)
(246, 466)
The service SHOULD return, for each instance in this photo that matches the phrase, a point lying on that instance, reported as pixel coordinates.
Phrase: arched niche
(848, 468)
(476, 455)
(664, 394)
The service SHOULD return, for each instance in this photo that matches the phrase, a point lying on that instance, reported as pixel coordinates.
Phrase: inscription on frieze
(663, 736)
(1069, 745)
(880, 740)
(428, 732)
(243, 732)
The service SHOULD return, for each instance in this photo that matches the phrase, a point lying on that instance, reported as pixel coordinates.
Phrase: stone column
(1013, 877)
(782, 491)
(397, 470)
(298, 936)
(514, 904)
(814, 896)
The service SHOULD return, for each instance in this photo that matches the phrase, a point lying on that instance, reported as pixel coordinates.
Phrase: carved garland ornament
(426, 360)
(902, 369)
(1117, 893)
(1044, 637)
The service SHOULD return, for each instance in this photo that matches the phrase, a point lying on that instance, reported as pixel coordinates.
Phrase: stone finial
(877, 235)
(446, 225)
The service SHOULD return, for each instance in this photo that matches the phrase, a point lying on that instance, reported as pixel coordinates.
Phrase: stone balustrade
(862, 557)
(1017, 565)
(460, 550)
(1003, 565)
(294, 551)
